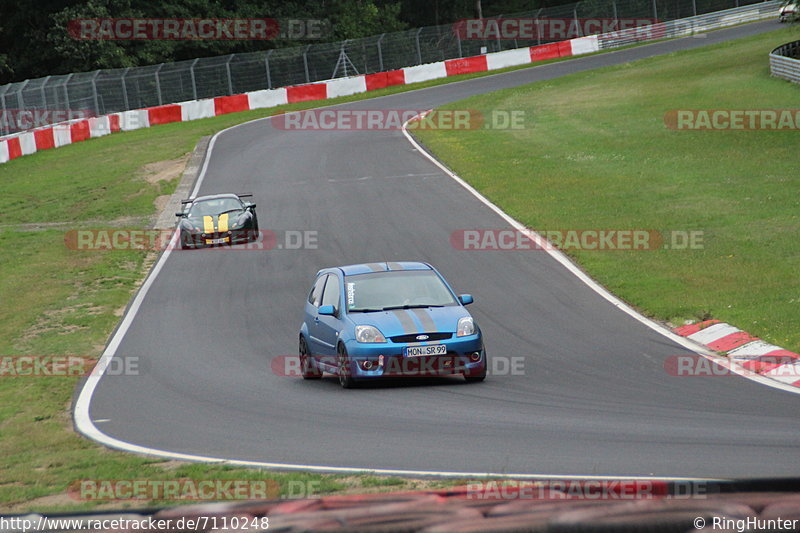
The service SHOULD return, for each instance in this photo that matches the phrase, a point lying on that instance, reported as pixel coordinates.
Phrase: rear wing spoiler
(245, 195)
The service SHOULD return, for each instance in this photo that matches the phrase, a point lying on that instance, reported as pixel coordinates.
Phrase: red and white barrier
(508, 58)
(346, 86)
(746, 351)
(267, 98)
(197, 109)
(429, 71)
(132, 120)
(27, 142)
(80, 130)
(584, 45)
(98, 126)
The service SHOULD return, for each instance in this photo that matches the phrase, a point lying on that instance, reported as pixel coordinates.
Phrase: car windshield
(215, 206)
(396, 290)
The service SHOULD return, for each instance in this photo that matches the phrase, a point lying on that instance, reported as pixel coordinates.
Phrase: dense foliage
(35, 42)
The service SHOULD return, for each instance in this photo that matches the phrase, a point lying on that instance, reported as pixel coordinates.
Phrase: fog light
(475, 357)
(366, 365)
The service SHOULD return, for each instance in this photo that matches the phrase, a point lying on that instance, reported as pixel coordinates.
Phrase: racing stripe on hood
(405, 319)
(208, 224)
(428, 325)
(222, 222)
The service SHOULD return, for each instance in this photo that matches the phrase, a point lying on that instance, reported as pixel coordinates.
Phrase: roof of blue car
(366, 268)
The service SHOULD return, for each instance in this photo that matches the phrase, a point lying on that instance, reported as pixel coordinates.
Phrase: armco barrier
(57, 135)
(689, 26)
(784, 62)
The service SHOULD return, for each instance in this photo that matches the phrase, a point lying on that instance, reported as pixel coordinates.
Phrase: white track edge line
(567, 263)
(85, 425)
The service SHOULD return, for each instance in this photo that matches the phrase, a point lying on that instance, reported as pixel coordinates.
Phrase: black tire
(252, 233)
(343, 368)
(307, 368)
(184, 242)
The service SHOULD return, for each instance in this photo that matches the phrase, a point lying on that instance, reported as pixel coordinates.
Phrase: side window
(332, 292)
(315, 296)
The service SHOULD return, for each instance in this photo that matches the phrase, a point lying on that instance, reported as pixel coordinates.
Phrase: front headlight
(369, 334)
(465, 327)
(239, 223)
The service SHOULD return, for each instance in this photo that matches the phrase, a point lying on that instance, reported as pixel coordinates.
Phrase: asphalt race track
(594, 398)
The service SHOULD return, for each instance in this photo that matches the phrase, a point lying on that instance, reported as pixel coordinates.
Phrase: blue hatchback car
(376, 320)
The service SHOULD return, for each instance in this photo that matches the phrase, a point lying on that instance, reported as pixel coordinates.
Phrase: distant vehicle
(789, 11)
(375, 320)
(217, 219)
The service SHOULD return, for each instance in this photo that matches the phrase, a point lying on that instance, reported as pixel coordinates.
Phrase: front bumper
(465, 355)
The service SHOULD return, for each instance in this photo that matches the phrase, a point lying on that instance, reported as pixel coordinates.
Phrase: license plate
(217, 241)
(428, 349)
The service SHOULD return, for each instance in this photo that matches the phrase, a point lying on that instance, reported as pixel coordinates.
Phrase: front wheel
(343, 368)
(307, 367)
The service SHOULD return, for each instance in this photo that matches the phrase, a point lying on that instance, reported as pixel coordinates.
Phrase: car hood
(214, 220)
(407, 321)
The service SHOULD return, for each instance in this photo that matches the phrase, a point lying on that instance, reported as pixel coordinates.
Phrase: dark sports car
(217, 219)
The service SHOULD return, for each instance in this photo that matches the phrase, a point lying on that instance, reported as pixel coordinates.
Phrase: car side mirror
(327, 310)
(251, 206)
(179, 214)
(466, 299)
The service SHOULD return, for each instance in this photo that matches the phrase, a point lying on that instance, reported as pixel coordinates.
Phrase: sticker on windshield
(351, 294)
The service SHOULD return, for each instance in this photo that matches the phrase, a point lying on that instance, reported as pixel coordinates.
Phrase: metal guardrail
(691, 25)
(112, 90)
(784, 62)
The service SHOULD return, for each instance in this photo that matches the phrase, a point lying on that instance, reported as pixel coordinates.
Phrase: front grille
(413, 337)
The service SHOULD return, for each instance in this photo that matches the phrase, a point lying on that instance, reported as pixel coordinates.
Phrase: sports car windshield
(214, 207)
(396, 290)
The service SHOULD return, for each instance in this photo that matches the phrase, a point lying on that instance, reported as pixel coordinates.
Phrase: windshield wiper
(365, 310)
(418, 306)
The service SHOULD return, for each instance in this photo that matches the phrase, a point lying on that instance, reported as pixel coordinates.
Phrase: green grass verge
(58, 301)
(63, 302)
(596, 154)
